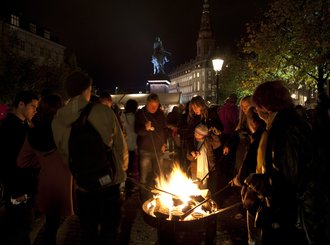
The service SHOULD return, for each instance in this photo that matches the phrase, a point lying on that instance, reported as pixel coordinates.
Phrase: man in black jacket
(150, 126)
(19, 184)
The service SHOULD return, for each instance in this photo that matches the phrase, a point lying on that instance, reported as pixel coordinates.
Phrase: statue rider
(159, 57)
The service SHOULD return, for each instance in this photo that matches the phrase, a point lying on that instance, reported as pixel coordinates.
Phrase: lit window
(197, 74)
(14, 20)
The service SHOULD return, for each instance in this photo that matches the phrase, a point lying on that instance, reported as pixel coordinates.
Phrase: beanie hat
(202, 130)
(76, 83)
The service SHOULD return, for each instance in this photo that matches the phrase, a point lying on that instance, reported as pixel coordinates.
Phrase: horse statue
(159, 57)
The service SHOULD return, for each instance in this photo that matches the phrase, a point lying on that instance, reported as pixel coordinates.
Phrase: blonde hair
(242, 120)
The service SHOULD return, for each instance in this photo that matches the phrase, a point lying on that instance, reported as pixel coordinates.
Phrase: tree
(233, 74)
(291, 43)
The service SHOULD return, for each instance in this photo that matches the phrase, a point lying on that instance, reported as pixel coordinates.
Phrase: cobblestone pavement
(231, 226)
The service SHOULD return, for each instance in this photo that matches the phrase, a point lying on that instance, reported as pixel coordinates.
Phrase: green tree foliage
(233, 74)
(291, 43)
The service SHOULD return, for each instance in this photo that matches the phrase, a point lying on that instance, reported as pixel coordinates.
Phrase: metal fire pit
(176, 231)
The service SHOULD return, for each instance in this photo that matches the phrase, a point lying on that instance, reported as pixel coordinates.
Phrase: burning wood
(180, 196)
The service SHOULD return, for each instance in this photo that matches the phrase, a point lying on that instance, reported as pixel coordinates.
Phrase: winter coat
(55, 180)
(291, 174)
(229, 116)
(150, 141)
(128, 123)
(105, 122)
(17, 181)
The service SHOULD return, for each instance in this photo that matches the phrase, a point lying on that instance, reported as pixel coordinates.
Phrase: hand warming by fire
(181, 199)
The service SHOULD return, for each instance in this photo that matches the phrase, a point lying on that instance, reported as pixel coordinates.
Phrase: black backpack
(91, 162)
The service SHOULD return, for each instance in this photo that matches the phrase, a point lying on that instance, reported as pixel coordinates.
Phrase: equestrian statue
(159, 57)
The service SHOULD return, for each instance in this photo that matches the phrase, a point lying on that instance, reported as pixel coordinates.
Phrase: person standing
(128, 122)
(19, 184)
(173, 118)
(287, 178)
(55, 180)
(256, 126)
(150, 127)
(99, 211)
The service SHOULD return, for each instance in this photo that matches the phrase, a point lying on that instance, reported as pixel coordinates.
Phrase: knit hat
(76, 83)
(202, 130)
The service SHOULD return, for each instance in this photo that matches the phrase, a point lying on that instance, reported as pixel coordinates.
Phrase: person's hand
(195, 154)
(226, 150)
(215, 131)
(235, 182)
(250, 199)
(258, 183)
(163, 148)
(149, 127)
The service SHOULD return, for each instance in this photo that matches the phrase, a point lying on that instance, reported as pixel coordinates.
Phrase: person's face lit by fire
(196, 109)
(245, 105)
(198, 137)
(152, 106)
(263, 113)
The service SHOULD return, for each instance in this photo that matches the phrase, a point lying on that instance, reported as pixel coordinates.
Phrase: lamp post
(217, 66)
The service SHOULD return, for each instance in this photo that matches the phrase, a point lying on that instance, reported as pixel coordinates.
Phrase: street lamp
(217, 66)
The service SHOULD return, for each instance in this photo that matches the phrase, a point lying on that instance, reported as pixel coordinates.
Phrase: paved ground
(231, 228)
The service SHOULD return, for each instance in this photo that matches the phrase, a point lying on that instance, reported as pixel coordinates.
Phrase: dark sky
(113, 39)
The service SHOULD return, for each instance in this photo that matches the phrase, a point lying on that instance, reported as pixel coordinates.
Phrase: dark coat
(250, 160)
(55, 180)
(291, 170)
(17, 182)
(150, 141)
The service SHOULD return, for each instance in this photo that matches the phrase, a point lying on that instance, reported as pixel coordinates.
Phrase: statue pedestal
(159, 83)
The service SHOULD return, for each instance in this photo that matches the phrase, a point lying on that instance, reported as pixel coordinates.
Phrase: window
(46, 34)
(42, 52)
(197, 74)
(14, 20)
(33, 50)
(33, 28)
(21, 45)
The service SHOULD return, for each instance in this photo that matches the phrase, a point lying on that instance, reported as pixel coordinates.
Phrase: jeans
(100, 215)
(17, 223)
(151, 165)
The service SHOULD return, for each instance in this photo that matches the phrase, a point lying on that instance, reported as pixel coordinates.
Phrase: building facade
(26, 39)
(197, 76)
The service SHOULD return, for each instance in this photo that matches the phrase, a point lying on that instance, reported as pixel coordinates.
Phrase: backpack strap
(84, 113)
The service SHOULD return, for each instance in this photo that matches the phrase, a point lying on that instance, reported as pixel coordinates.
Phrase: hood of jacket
(61, 124)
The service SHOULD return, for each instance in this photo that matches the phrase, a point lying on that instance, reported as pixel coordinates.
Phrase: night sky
(113, 40)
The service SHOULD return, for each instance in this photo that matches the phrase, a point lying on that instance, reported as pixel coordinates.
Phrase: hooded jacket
(105, 122)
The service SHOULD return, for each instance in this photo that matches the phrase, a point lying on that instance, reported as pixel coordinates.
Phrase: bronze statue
(159, 57)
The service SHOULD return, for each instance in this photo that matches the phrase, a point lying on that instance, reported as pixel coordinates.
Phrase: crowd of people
(264, 148)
